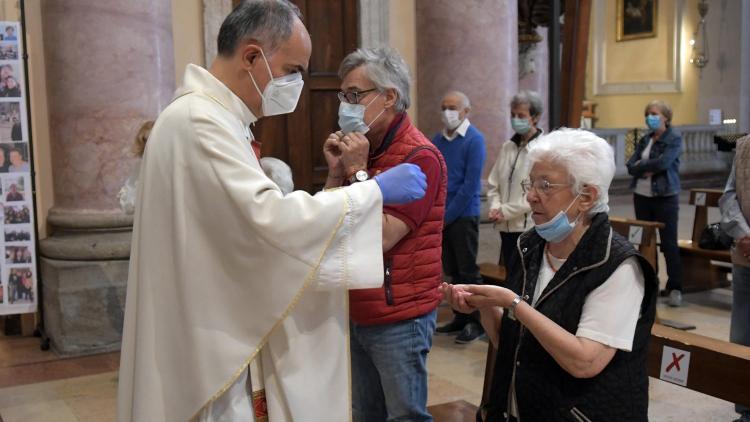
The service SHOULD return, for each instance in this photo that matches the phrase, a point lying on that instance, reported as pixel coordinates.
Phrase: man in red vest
(391, 327)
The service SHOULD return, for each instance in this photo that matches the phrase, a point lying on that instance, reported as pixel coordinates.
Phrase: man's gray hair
(385, 68)
(279, 172)
(530, 98)
(465, 103)
(269, 22)
(588, 159)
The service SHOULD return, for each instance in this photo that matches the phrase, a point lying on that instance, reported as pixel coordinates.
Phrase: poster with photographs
(18, 278)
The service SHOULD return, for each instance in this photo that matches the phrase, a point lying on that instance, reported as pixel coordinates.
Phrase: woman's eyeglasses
(541, 187)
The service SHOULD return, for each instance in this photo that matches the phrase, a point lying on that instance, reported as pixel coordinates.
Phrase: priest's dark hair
(269, 22)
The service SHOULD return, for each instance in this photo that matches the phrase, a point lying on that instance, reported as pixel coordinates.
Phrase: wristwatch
(512, 308)
(359, 176)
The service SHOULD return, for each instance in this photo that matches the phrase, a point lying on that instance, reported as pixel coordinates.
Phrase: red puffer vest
(412, 267)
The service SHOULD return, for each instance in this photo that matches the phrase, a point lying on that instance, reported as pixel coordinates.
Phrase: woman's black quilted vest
(544, 390)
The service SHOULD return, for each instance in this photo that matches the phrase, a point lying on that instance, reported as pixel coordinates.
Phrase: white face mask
(450, 119)
(352, 117)
(280, 96)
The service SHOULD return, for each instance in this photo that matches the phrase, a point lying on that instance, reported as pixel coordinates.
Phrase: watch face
(361, 176)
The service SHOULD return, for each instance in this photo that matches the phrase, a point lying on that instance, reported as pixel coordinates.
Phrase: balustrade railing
(699, 153)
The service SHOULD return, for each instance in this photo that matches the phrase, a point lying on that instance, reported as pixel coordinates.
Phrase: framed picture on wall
(636, 19)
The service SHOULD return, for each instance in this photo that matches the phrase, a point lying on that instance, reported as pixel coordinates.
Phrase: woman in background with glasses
(572, 323)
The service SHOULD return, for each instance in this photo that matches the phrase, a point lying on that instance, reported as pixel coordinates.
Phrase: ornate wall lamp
(699, 56)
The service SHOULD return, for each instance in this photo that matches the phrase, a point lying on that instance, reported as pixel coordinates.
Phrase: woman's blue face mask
(653, 121)
(559, 227)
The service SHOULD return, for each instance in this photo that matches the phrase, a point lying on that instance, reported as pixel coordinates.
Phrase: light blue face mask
(653, 121)
(352, 117)
(520, 126)
(559, 227)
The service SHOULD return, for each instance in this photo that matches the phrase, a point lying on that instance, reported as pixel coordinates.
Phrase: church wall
(187, 33)
(643, 60)
(39, 116)
(720, 81)
(403, 37)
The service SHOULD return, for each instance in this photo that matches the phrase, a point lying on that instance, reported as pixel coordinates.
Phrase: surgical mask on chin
(559, 227)
(352, 117)
(450, 119)
(280, 96)
(520, 126)
(653, 121)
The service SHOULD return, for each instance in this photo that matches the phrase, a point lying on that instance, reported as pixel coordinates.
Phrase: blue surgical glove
(402, 184)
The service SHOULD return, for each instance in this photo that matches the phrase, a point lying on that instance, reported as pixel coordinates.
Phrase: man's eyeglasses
(353, 97)
(541, 187)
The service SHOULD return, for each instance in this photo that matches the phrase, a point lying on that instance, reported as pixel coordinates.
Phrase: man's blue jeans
(389, 370)
(739, 330)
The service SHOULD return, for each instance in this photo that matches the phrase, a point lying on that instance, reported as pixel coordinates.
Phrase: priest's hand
(332, 153)
(402, 184)
(355, 152)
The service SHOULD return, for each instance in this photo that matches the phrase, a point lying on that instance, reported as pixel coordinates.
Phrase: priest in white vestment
(237, 292)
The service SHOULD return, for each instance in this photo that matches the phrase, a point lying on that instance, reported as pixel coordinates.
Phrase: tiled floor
(36, 386)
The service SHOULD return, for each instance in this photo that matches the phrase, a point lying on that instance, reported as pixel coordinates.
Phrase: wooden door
(297, 138)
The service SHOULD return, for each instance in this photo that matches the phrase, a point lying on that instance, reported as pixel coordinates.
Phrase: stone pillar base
(84, 273)
(84, 304)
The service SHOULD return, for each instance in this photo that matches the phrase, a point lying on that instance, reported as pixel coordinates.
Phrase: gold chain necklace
(549, 258)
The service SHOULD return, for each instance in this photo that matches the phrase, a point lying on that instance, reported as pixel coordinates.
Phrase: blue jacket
(464, 156)
(663, 161)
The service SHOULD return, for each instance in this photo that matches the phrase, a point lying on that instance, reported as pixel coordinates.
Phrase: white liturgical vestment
(227, 273)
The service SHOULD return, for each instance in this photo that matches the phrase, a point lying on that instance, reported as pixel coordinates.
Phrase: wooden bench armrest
(492, 273)
(717, 368)
(633, 222)
(712, 196)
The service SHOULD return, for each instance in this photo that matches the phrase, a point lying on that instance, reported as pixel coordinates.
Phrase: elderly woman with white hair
(573, 320)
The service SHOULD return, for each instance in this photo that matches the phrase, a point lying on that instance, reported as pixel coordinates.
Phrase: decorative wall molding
(214, 12)
(604, 87)
(374, 27)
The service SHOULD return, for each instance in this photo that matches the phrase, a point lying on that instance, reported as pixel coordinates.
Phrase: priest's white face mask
(280, 96)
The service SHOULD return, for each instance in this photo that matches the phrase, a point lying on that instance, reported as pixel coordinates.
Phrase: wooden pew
(717, 368)
(495, 275)
(640, 233)
(455, 411)
(698, 273)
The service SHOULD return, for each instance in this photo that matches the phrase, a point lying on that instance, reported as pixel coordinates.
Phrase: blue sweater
(464, 156)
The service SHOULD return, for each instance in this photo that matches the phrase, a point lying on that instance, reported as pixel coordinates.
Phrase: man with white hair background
(463, 148)
(574, 319)
(279, 172)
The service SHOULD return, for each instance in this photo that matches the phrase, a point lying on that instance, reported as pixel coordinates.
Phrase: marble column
(110, 67)
(537, 75)
(473, 48)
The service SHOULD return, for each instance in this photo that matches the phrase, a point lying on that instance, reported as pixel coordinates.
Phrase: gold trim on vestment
(295, 299)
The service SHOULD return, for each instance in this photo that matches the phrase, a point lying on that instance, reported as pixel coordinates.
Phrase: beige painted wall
(643, 60)
(39, 116)
(187, 33)
(403, 37)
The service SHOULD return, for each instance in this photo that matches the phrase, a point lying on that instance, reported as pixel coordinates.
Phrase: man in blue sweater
(462, 146)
